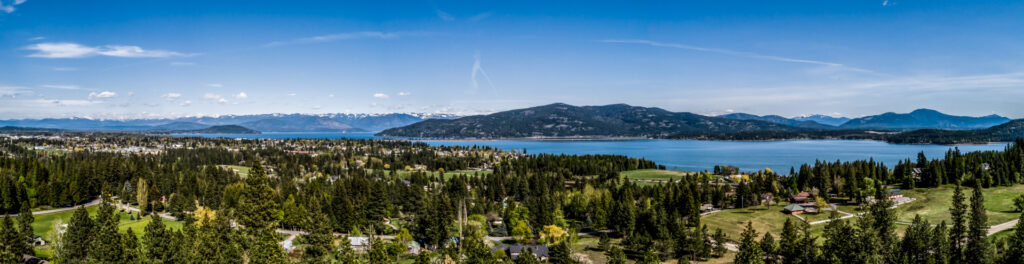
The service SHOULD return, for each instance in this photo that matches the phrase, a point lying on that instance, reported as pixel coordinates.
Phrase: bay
(693, 155)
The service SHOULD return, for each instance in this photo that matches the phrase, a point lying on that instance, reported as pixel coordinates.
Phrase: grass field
(241, 170)
(652, 174)
(933, 204)
(44, 223)
(765, 219)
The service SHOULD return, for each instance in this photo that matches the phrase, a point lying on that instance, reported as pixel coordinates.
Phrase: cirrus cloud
(101, 95)
(69, 50)
(380, 95)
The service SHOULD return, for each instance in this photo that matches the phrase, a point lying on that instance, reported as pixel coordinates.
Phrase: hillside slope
(563, 120)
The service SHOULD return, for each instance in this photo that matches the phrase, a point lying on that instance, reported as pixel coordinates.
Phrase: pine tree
(259, 213)
(958, 213)
(720, 240)
(560, 254)
(1015, 254)
(750, 250)
(915, 246)
(603, 242)
(615, 256)
(77, 238)
(130, 245)
(346, 255)
(789, 242)
(218, 243)
(25, 220)
(157, 241)
(940, 244)
(10, 242)
(768, 248)
(319, 238)
(978, 250)
(103, 249)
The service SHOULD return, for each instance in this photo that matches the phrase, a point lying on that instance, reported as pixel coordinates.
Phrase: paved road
(58, 210)
(1000, 227)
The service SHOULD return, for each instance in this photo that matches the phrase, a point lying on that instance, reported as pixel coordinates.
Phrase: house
(497, 221)
(38, 241)
(704, 208)
(895, 194)
(801, 197)
(794, 209)
(514, 251)
(359, 244)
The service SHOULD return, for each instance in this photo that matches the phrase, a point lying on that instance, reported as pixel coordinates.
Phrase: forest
(420, 204)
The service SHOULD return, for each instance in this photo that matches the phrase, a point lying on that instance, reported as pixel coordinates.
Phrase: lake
(694, 155)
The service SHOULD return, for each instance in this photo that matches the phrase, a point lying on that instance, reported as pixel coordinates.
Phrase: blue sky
(130, 59)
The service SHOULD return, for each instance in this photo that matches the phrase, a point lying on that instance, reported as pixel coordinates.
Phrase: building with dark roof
(513, 251)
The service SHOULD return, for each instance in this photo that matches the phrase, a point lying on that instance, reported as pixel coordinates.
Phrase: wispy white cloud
(734, 53)
(68, 50)
(186, 103)
(222, 101)
(316, 107)
(478, 69)
(291, 94)
(182, 63)
(885, 3)
(241, 95)
(61, 86)
(338, 36)
(480, 16)
(102, 95)
(211, 96)
(65, 69)
(10, 8)
(215, 85)
(12, 91)
(36, 38)
(444, 15)
(380, 95)
(403, 94)
(171, 96)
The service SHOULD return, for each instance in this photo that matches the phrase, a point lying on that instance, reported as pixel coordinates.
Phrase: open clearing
(655, 175)
(933, 204)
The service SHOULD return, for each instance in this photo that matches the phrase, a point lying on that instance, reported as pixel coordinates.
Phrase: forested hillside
(401, 190)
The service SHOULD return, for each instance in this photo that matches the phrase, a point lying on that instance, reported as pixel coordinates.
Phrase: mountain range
(620, 120)
(563, 120)
(261, 122)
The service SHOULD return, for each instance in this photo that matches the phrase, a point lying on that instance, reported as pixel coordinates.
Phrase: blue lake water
(695, 155)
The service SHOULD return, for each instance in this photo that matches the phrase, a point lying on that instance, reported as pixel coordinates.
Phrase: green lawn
(933, 204)
(733, 221)
(44, 223)
(652, 174)
(241, 170)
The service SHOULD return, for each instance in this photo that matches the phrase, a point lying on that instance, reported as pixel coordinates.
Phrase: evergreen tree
(259, 214)
(422, 258)
(958, 215)
(158, 242)
(768, 248)
(750, 250)
(603, 242)
(720, 240)
(25, 220)
(11, 247)
(218, 242)
(789, 242)
(560, 254)
(940, 244)
(77, 238)
(106, 246)
(378, 252)
(527, 257)
(916, 246)
(615, 255)
(319, 238)
(346, 255)
(130, 245)
(1015, 254)
(978, 250)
